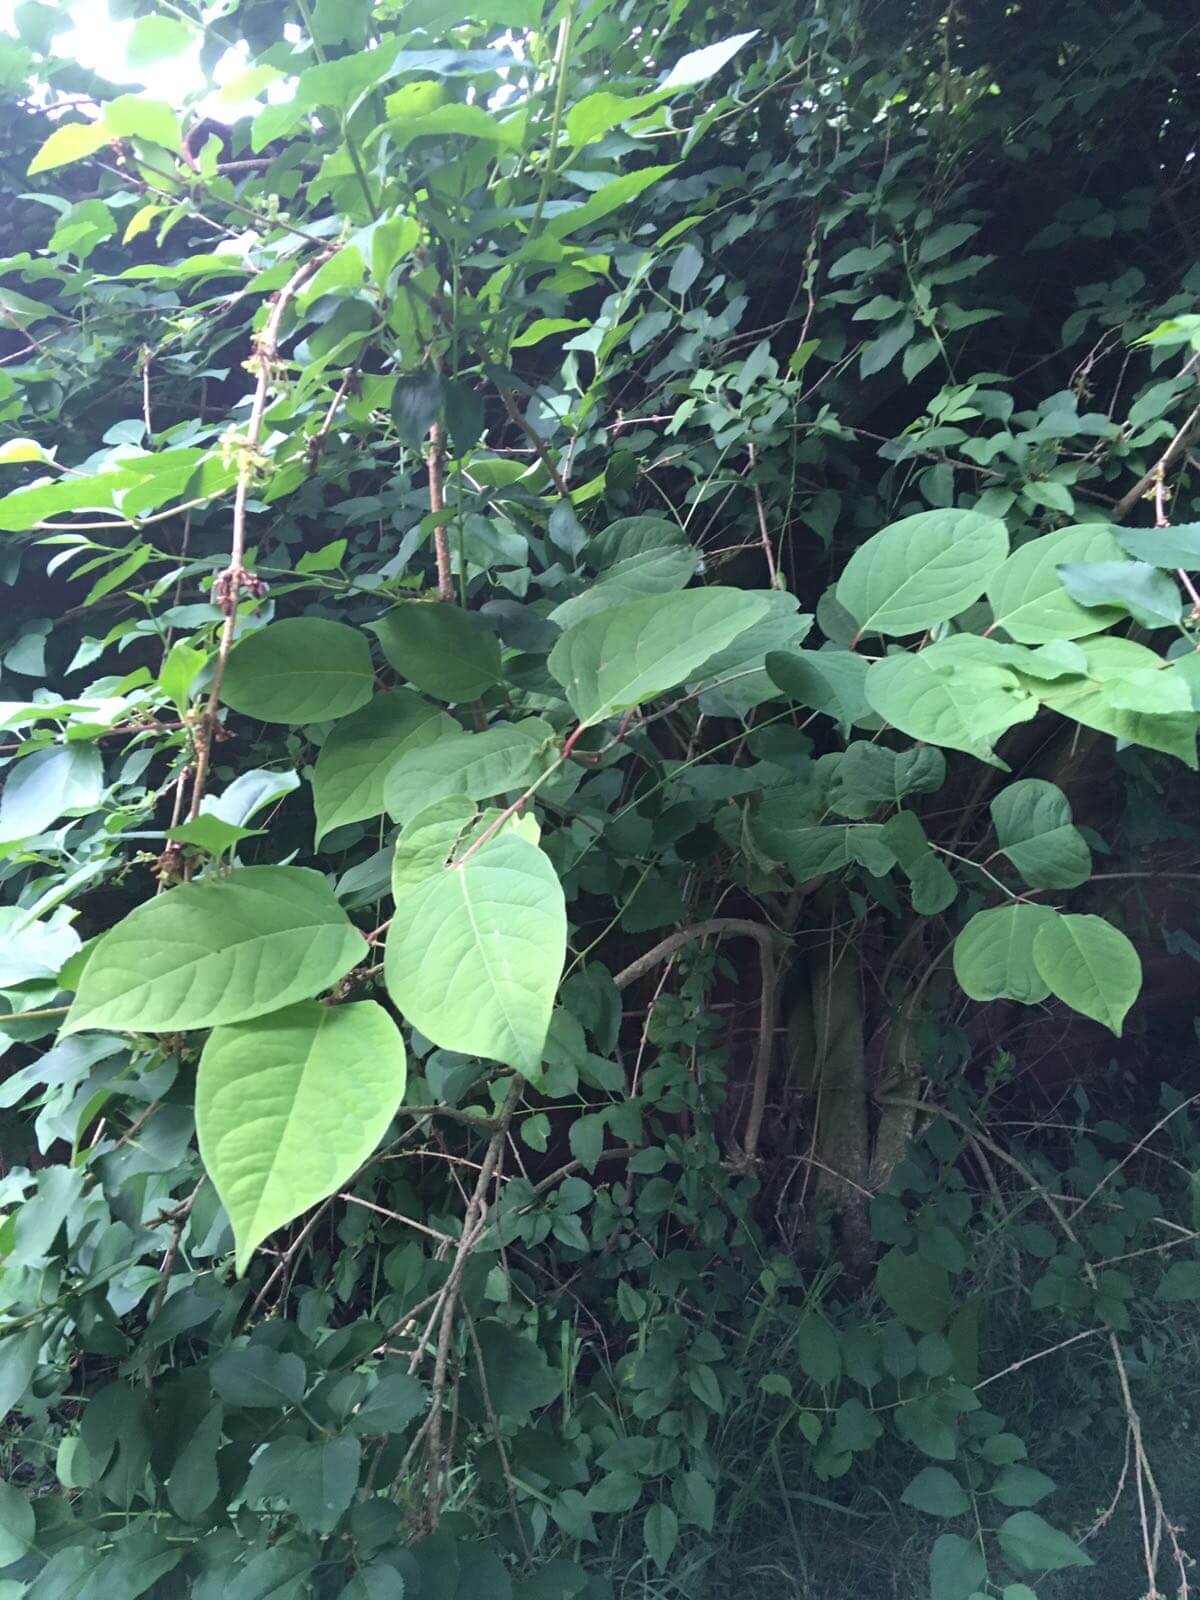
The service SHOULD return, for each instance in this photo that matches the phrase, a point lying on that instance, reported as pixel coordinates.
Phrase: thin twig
(227, 586)
(435, 461)
(536, 440)
(765, 939)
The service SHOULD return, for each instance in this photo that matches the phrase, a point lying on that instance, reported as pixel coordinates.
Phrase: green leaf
(47, 785)
(956, 1568)
(290, 1105)
(194, 1484)
(937, 1492)
(660, 1531)
(301, 670)
(633, 653)
(218, 951)
(915, 1289)
(17, 1525)
(619, 192)
(474, 954)
(653, 572)
(1153, 692)
(18, 1362)
(1180, 1282)
(155, 39)
(441, 649)
(1174, 547)
(1031, 1543)
(1149, 596)
(993, 955)
(395, 1401)
(943, 697)
(697, 66)
(257, 1378)
(479, 765)
(932, 883)
(519, 1378)
(316, 1481)
(416, 404)
(829, 681)
(179, 672)
(133, 116)
(1033, 823)
(1027, 596)
(1090, 965)
(921, 570)
(1019, 1485)
(465, 414)
(352, 768)
(818, 1350)
(71, 141)
(211, 833)
(427, 842)
(1111, 665)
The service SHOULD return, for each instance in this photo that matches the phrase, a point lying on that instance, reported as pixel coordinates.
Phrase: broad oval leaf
(1096, 700)
(348, 780)
(943, 697)
(474, 954)
(478, 765)
(1033, 824)
(993, 955)
(301, 670)
(1029, 1542)
(921, 570)
(1149, 596)
(289, 1105)
(1090, 965)
(46, 785)
(1027, 596)
(222, 950)
(441, 650)
(427, 842)
(829, 681)
(631, 653)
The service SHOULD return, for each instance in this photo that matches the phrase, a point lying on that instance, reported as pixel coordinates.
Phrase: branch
(765, 939)
(1178, 446)
(536, 440)
(227, 586)
(435, 459)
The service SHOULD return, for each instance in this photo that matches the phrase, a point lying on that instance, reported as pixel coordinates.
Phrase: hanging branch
(228, 585)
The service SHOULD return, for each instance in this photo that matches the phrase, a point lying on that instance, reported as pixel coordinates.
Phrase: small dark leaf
(416, 402)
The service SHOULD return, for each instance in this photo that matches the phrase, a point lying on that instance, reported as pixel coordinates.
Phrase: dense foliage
(601, 686)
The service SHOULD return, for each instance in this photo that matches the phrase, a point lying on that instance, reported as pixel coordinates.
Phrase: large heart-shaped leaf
(1027, 596)
(1090, 965)
(441, 649)
(219, 951)
(289, 1105)
(921, 570)
(631, 653)
(348, 780)
(478, 765)
(475, 952)
(302, 670)
(1033, 824)
(993, 955)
